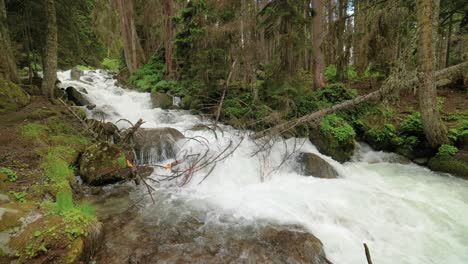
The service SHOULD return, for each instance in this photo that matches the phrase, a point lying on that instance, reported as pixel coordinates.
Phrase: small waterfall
(406, 213)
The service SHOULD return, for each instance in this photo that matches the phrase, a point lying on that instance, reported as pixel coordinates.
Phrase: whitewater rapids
(404, 212)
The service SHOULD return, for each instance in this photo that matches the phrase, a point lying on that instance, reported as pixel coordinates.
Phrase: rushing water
(404, 212)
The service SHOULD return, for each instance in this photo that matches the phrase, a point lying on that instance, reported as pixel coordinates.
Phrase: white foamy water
(404, 212)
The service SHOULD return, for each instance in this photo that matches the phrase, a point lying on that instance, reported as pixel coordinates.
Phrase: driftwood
(131, 131)
(443, 77)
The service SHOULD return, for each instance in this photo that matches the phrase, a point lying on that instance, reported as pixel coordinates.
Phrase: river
(404, 212)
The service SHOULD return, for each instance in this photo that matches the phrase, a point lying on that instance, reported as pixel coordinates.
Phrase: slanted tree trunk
(7, 58)
(443, 77)
(434, 130)
(317, 39)
(50, 58)
(168, 35)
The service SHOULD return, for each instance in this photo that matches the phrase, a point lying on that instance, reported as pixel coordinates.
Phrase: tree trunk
(168, 35)
(434, 130)
(50, 60)
(7, 59)
(449, 40)
(317, 39)
(133, 52)
(340, 35)
(331, 33)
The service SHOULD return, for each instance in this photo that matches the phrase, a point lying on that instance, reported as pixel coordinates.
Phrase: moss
(34, 130)
(447, 150)
(12, 96)
(449, 164)
(412, 125)
(10, 174)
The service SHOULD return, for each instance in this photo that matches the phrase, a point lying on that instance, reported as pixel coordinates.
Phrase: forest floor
(39, 144)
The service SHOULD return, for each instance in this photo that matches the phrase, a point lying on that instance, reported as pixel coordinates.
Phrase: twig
(218, 112)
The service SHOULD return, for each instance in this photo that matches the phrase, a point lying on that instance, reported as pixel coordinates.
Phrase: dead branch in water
(131, 131)
(368, 257)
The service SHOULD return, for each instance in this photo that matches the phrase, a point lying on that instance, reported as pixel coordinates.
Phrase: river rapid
(404, 212)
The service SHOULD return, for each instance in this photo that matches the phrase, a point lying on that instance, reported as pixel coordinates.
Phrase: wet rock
(161, 100)
(313, 165)
(76, 97)
(75, 74)
(91, 106)
(456, 164)
(88, 79)
(155, 145)
(12, 97)
(122, 77)
(103, 163)
(421, 161)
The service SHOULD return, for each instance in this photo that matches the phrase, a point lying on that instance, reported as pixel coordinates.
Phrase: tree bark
(168, 35)
(340, 33)
(443, 77)
(133, 52)
(331, 33)
(317, 39)
(7, 58)
(50, 60)
(435, 131)
(449, 40)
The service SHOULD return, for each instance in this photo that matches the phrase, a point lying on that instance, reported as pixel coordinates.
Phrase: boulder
(456, 164)
(313, 165)
(32, 89)
(12, 97)
(77, 97)
(103, 163)
(75, 74)
(155, 145)
(161, 100)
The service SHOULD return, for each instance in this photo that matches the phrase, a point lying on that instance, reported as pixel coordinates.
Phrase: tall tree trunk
(331, 32)
(7, 58)
(449, 40)
(134, 54)
(317, 39)
(434, 129)
(340, 35)
(50, 59)
(168, 35)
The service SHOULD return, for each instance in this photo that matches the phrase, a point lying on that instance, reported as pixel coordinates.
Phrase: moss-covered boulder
(335, 138)
(161, 100)
(12, 96)
(456, 164)
(103, 163)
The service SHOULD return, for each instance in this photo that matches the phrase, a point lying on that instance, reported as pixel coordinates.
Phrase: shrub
(338, 127)
(12, 177)
(385, 133)
(447, 150)
(110, 64)
(330, 73)
(148, 75)
(335, 93)
(412, 125)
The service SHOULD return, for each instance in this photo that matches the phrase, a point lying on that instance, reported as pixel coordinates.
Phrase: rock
(88, 79)
(103, 163)
(456, 165)
(161, 100)
(4, 199)
(32, 89)
(75, 74)
(12, 97)
(421, 161)
(313, 165)
(155, 145)
(328, 145)
(122, 77)
(91, 106)
(75, 96)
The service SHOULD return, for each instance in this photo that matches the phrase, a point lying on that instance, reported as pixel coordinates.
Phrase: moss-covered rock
(12, 96)
(103, 163)
(335, 138)
(161, 100)
(456, 164)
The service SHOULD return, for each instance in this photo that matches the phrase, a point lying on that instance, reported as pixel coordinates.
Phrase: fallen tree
(443, 77)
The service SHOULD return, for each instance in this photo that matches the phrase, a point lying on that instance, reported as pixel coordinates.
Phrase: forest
(233, 131)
